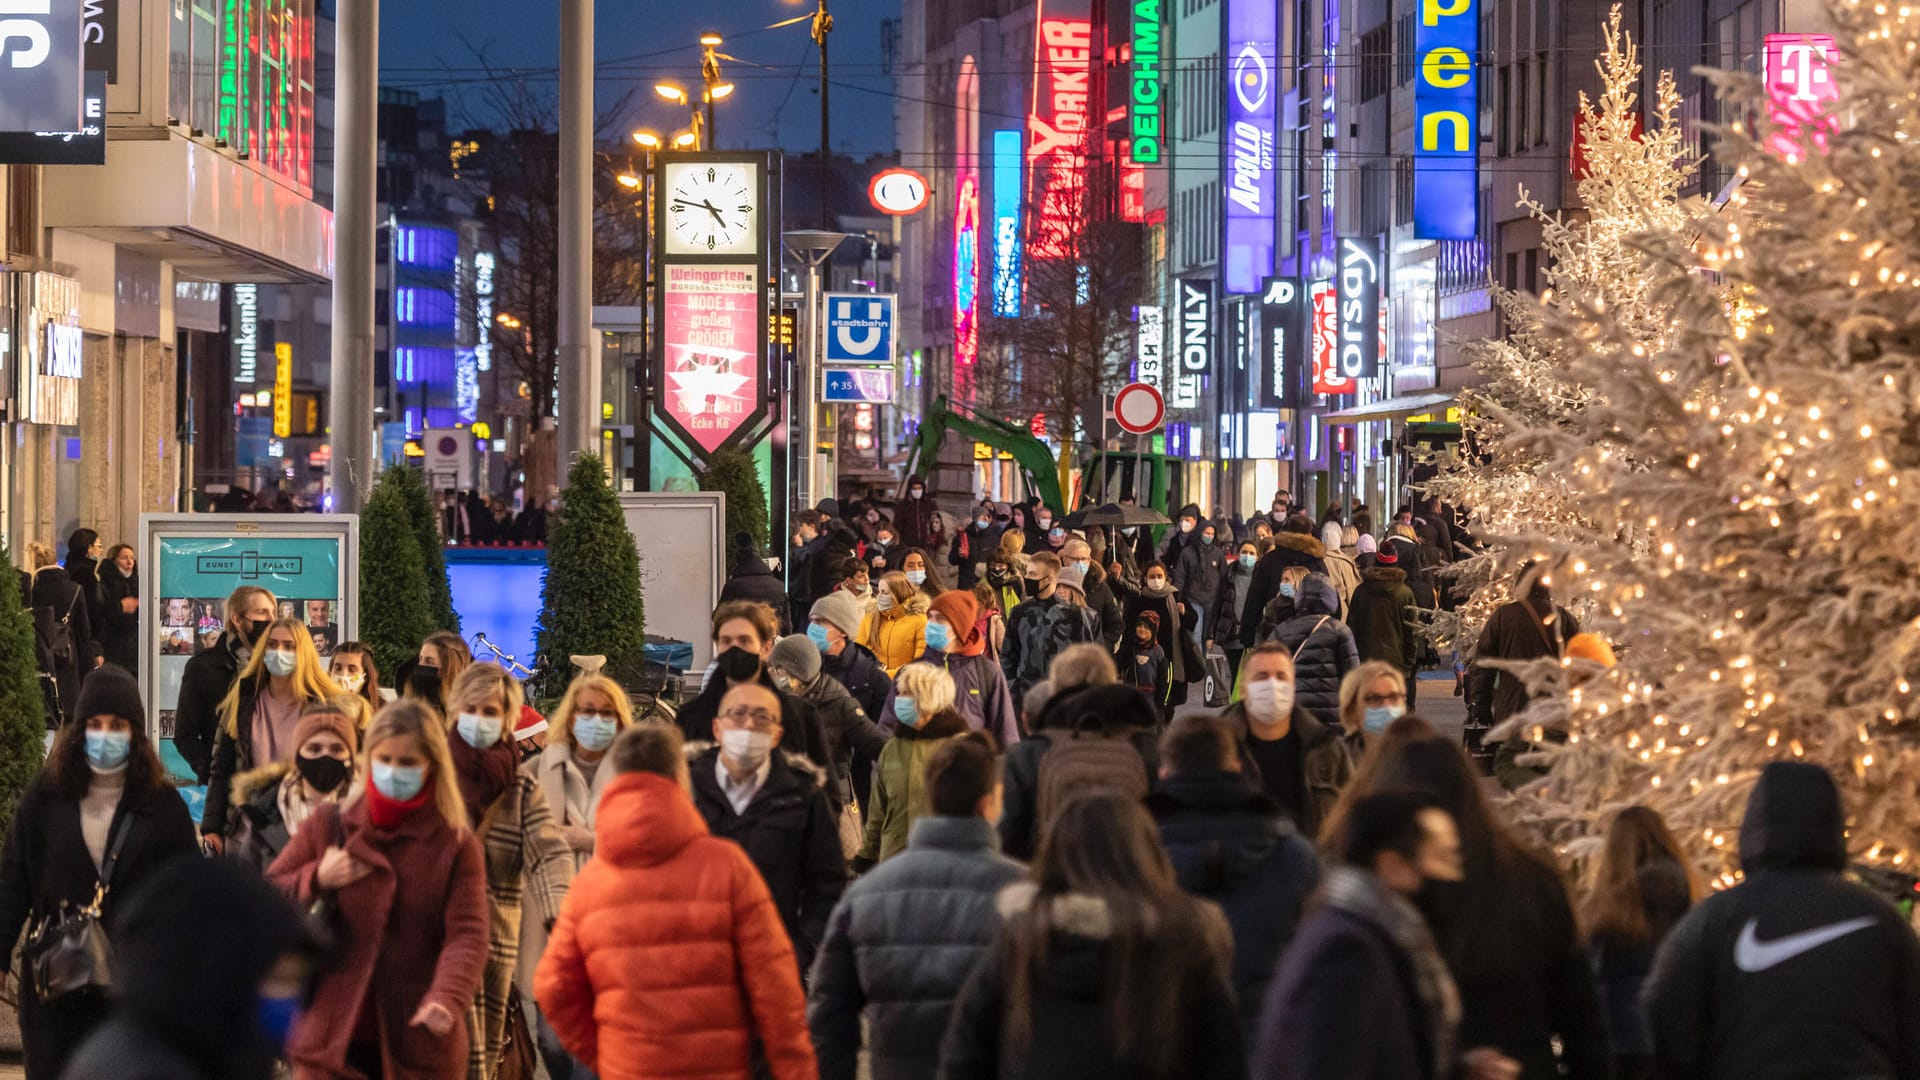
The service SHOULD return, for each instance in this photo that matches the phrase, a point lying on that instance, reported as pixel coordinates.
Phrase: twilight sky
(425, 47)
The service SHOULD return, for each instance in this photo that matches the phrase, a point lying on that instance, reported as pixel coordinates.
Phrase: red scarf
(483, 775)
(389, 813)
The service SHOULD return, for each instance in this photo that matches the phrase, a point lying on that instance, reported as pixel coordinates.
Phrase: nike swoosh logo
(1752, 955)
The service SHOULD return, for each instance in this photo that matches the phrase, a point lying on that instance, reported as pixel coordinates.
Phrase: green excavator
(1103, 477)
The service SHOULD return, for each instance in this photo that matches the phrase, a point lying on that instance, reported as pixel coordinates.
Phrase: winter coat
(257, 829)
(1198, 571)
(1289, 549)
(1345, 1005)
(1020, 771)
(1226, 607)
(46, 864)
(1175, 636)
(846, 728)
(1420, 563)
(52, 589)
(669, 959)
(1233, 845)
(1381, 617)
(572, 795)
(232, 755)
(791, 833)
(417, 933)
(826, 562)
(900, 946)
(857, 669)
(897, 636)
(969, 553)
(1345, 575)
(900, 795)
(915, 517)
(800, 729)
(1323, 649)
(203, 685)
(1795, 972)
(85, 573)
(525, 856)
(1040, 630)
(119, 631)
(1620, 968)
(1325, 764)
(754, 580)
(1515, 633)
(980, 694)
(1105, 604)
(1072, 1032)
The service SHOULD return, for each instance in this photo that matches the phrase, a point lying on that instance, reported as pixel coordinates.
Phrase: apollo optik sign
(1144, 113)
(1446, 111)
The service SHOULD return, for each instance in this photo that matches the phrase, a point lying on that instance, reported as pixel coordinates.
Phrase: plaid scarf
(1361, 894)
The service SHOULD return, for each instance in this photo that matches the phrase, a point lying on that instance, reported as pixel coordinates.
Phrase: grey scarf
(1361, 894)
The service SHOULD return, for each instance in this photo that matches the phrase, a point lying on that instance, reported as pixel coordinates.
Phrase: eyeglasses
(1384, 699)
(747, 716)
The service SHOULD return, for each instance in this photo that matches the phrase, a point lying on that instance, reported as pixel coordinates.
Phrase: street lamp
(687, 140)
(677, 94)
(710, 78)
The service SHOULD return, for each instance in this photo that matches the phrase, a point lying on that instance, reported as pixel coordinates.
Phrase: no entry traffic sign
(1138, 408)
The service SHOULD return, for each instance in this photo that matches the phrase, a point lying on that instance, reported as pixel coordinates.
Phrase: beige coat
(525, 858)
(572, 797)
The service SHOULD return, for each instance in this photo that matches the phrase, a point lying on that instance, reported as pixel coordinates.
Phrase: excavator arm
(1029, 453)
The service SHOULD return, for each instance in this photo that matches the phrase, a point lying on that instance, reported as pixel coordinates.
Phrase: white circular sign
(1138, 408)
(899, 192)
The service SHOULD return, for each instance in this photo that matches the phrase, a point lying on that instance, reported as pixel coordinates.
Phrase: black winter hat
(829, 507)
(109, 691)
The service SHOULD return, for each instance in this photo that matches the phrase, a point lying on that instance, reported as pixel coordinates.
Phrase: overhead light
(628, 180)
(647, 139)
(721, 90)
(670, 92)
(684, 140)
(709, 39)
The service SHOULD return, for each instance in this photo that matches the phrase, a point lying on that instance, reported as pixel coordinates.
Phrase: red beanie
(961, 609)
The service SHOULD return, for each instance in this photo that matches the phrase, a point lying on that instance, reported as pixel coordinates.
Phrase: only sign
(899, 192)
(1139, 409)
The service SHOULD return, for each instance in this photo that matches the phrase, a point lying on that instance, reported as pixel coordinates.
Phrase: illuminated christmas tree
(1742, 481)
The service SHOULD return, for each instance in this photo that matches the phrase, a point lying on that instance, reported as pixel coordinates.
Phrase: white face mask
(748, 749)
(353, 683)
(883, 600)
(480, 732)
(1269, 699)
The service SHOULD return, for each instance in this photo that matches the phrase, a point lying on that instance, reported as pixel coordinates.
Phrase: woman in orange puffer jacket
(669, 958)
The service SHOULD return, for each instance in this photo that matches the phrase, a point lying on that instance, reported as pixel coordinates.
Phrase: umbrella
(1114, 515)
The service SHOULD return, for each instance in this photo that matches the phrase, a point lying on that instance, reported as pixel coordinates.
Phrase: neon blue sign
(1446, 117)
(1007, 157)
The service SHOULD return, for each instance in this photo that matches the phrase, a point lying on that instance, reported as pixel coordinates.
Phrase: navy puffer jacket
(1323, 648)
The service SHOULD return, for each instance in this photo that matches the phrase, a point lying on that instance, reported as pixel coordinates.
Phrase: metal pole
(356, 155)
(579, 363)
(822, 26)
(806, 397)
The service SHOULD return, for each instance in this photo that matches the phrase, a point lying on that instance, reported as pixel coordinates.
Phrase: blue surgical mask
(907, 711)
(280, 662)
(398, 782)
(938, 636)
(1083, 566)
(818, 635)
(917, 577)
(480, 732)
(1248, 560)
(594, 733)
(981, 523)
(1379, 717)
(107, 751)
(276, 1016)
(1286, 589)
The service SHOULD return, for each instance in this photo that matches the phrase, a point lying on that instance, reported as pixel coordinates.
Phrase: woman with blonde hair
(519, 838)
(923, 702)
(259, 716)
(896, 633)
(1372, 696)
(405, 878)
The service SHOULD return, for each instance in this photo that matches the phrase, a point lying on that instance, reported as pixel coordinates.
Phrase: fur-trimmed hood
(1305, 545)
(917, 604)
(1074, 913)
(248, 784)
(1385, 575)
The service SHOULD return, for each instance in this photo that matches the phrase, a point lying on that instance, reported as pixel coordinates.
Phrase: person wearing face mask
(118, 626)
(1006, 573)
(1045, 625)
(915, 515)
(1368, 943)
(1322, 646)
(1175, 633)
(775, 805)
(834, 628)
(1197, 570)
(443, 656)
(1232, 844)
(209, 675)
(858, 584)
(353, 670)
(212, 966)
(273, 801)
(958, 643)
(1098, 590)
(1507, 928)
(1229, 602)
(972, 547)
(923, 704)
(406, 879)
(922, 574)
(1299, 761)
(1293, 546)
(1381, 615)
(936, 900)
(101, 812)
(1372, 697)
(850, 734)
(528, 864)
(896, 633)
(883, 551)
(259, 717)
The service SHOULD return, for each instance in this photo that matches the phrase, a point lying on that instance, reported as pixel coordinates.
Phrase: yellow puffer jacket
(897, 636)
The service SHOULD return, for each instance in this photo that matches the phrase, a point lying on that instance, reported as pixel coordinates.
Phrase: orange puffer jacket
(669, 957)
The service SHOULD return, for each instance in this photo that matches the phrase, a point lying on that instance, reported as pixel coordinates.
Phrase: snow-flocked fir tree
(1760, 456)
(1632, 183)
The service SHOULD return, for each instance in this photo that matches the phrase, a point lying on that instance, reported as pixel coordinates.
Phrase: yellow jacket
(897, 636)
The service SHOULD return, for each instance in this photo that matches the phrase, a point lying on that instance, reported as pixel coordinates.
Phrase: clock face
(711, 208)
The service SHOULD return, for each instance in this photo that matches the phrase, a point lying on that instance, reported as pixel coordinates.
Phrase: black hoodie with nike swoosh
(1795, 973)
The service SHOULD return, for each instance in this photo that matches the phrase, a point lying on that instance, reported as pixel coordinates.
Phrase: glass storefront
(241, 71)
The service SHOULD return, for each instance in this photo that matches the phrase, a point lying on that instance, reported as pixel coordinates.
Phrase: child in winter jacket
(1143, 663)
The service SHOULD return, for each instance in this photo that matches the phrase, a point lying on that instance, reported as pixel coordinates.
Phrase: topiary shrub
(23, 717)
(732, 471)
(433, 555)
(590, 601)
(396, 614)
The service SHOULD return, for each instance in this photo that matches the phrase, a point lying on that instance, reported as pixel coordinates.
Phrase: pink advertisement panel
(711, 337)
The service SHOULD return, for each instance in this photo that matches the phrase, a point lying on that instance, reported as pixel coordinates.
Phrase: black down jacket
(1323, 649)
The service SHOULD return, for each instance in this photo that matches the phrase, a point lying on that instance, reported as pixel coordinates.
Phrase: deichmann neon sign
(1007, 194)
(1145, 119)
(1057, 127)
(1446, 117)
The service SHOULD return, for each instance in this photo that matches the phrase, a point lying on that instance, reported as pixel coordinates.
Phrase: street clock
(711, 208)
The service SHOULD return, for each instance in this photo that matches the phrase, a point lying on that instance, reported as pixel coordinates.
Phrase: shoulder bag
(67, 951)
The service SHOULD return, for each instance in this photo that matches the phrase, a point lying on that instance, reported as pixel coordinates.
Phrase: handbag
(853, 832)
(323, 912)
(67, 951)
(517, 1058)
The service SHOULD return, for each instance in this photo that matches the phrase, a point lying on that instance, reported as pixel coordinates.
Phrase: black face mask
(323, 773)
(424, 682)
(738, 665)
(1440, 902)
(1000, 578)
(256, 628)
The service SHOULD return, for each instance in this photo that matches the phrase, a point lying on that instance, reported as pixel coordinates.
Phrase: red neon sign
(966, 275)
(1326, 342)
(1057, 126)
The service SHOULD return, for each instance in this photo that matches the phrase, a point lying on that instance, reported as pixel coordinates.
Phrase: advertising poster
(711, 339)
(1280, 331)
(1249, 172)
(191, 563)
(1327, 378)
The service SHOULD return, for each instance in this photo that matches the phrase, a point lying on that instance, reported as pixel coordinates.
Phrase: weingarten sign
(1248, 145)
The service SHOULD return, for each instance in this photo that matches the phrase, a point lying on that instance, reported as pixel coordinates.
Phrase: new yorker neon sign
(1057, 127)
(1146, 112)
(1446, 117)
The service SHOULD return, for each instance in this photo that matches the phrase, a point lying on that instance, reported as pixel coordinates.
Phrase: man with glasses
(773, 804)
